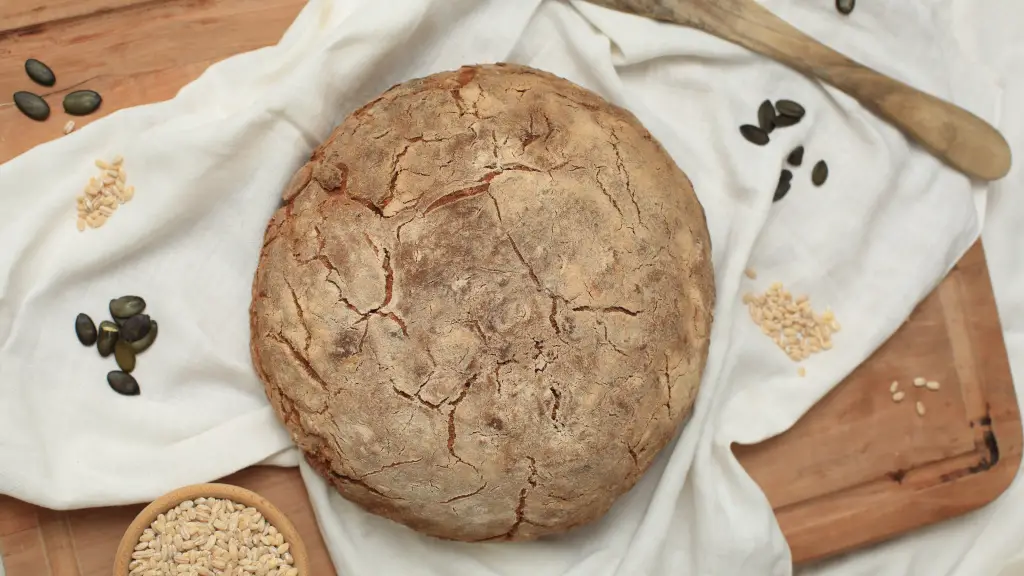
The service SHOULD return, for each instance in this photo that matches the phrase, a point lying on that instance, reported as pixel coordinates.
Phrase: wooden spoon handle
(949, 132)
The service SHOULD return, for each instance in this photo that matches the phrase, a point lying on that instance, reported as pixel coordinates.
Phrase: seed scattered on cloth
(801, 371)
(69, 127)
(766, 116)
(123, 383)
(754, 135)
(85, 329)
(103, 195)
(750, 273)
(932, 385)
(782, 188)
(899, 396)
(212, 536)
(920, 408)
(820, 173)
(892, 387)
(790, 109)
(108, 335)
(918, 382)
(796, 157)
(791, 322)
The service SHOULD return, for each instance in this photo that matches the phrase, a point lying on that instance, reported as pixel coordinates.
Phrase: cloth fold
(209, 167)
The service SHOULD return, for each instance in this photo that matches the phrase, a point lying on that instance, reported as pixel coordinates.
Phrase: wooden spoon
(949, 132)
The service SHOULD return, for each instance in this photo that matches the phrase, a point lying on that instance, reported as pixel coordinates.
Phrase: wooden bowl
(234, 493)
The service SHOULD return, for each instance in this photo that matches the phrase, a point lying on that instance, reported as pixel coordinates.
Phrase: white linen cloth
(209, 167)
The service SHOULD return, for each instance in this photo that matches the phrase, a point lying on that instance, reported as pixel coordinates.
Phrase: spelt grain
(892, 387)
(920, 408)
(899, 396)
(918, 382)
(932, 385)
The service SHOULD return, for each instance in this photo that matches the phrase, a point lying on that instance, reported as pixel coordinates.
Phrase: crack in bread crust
(485, 305)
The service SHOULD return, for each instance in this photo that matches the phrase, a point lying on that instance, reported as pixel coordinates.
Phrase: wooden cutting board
(856, 469)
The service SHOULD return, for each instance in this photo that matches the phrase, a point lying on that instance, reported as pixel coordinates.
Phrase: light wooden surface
(859, 468)
(855, 470)
(949, 132)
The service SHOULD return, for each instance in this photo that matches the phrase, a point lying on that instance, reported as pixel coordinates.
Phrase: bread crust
(485, 305)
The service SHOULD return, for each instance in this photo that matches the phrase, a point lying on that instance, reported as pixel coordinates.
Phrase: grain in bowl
(193, 533)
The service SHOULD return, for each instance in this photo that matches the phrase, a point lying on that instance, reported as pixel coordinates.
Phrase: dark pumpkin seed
(784, 121)
(845, 6)
(39, 73)
(796, 157)
(82, 102)
(135, 328)
(107, 338)
(126, 306)
(32, 105)
(754, 134)
(766, 116)
(147, 340)
(85, 329)
(790, 109)
(820, 173)
(124, 355)
(123, 383)
(782, 188)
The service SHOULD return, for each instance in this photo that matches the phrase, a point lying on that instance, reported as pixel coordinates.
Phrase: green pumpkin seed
(845, 6)
(124, 355)
(820, 173)
(147, 340)
(135, 328)
(126, 306)
(782, 188)
(85, 329)
(39, 73)
(32, 105)
(790, 109)
(107, 338)
(123, 383)
(766, 116)
(796, 157)
(82, 102)
(754, 134)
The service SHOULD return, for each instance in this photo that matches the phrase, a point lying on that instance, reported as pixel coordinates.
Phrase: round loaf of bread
(485, 304)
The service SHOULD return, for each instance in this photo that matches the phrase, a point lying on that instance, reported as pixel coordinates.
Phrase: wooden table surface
(856, 469)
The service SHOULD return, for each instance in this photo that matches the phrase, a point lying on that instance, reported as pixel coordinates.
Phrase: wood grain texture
(859, 468)
(856, 469)
(950, 133)
(84, 542)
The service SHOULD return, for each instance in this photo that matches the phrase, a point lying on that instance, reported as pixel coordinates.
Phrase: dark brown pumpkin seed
(126, 306)
(845, 6)
(784, 121)
(782, 188)
(123, 383)
(796, 157)
(135, 328)
(766, 116)
(820, 173)
(790, 109)
(108, 334)
(82, 102)
(754, 134)
(124, 355)
(32, 105)
(39, 73)
(147, 340)
(85, 329)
